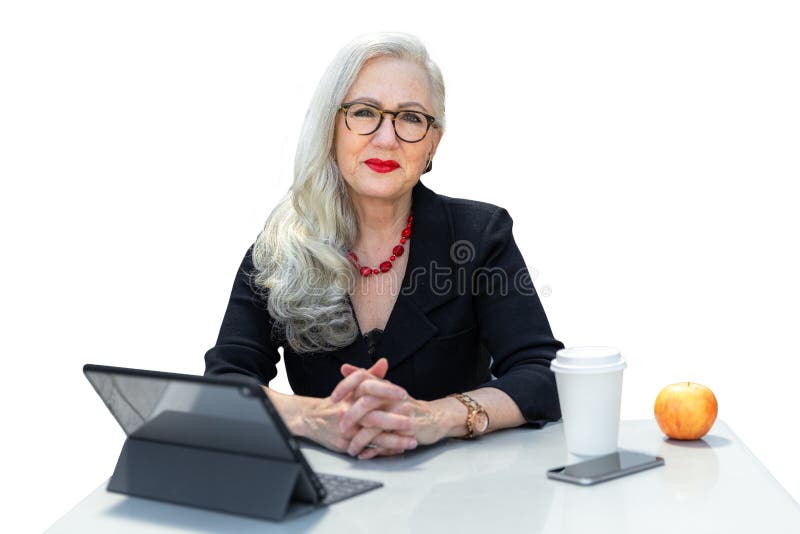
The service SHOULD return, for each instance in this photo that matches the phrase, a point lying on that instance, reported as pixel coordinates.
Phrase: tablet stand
(213, 479)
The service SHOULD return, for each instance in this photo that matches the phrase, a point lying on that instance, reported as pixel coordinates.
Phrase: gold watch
(477, 418)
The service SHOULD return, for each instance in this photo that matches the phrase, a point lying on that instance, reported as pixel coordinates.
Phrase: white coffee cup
(589, 382)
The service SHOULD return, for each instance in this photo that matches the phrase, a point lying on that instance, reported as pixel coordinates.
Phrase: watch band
(473, 409)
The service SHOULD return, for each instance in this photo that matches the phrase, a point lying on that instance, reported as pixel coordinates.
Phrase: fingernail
(413, 444)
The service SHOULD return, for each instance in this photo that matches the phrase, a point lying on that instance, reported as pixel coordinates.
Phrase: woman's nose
(385, 135)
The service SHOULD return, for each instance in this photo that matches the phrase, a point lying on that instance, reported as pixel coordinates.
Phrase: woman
(396, 307)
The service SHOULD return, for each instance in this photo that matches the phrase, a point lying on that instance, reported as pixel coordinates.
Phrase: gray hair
(300, 256)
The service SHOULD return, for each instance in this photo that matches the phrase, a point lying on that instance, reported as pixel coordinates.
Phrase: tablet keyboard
(340, 488)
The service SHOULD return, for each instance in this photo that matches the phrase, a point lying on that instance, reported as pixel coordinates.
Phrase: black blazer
(467, 312)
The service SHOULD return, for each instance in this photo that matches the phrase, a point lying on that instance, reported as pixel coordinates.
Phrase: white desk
(496, 485)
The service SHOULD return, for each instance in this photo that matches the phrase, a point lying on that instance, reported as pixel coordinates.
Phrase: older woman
(405, 316)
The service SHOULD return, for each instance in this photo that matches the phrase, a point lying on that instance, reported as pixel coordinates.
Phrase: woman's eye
(364, 113)
(413, 118)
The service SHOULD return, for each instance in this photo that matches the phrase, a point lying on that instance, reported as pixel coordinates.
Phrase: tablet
(231, 415)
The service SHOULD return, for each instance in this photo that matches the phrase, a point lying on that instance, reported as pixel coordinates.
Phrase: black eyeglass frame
(430, 119)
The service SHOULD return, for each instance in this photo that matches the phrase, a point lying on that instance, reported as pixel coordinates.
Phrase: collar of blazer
(427, 283)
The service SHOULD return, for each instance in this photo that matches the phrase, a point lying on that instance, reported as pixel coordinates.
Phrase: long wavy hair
(300, 256)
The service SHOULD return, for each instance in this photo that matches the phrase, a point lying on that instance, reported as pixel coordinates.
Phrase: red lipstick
(381, 166)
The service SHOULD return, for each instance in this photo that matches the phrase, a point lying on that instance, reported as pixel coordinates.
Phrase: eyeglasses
(365, 119)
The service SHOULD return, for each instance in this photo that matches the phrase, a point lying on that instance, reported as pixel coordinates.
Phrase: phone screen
(606, 467)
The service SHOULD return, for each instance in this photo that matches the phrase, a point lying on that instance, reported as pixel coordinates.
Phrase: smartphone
(608, 467)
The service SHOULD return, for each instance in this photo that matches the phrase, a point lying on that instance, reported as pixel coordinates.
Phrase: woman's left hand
(378, 402)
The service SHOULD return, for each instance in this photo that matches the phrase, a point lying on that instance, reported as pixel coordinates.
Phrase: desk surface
(498, 482)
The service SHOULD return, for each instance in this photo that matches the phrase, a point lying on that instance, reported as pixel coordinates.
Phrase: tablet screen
(190, 410)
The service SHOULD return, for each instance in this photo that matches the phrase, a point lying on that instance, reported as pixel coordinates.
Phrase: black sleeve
(513, 325)
(245, 345)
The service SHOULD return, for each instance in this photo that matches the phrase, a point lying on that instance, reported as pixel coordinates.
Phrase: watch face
(481, 422)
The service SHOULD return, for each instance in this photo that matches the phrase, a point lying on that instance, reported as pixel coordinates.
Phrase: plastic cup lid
(588, 360)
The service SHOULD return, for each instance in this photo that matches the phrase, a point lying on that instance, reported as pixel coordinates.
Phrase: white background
(647, 152)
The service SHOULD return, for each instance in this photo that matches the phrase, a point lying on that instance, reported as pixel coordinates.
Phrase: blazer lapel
(428, 280)
(427, 283)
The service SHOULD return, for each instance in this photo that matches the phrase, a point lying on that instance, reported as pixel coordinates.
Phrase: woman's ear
(437, 136)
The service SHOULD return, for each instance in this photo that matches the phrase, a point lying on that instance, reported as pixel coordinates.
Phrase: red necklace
(397, 251)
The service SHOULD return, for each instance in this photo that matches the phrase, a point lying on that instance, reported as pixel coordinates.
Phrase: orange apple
(686, 410)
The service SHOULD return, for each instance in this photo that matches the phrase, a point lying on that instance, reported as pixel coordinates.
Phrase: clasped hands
(368, 416)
